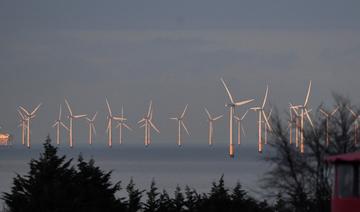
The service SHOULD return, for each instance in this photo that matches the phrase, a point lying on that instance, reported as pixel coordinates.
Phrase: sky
(173, 52)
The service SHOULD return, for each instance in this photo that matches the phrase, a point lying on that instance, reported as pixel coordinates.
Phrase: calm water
(195, 166)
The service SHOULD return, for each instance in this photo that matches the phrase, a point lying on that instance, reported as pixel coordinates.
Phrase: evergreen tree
(52, 185)
(178, 199)
(152, 203)
(135, 195)
(165, 202)
(192, 201)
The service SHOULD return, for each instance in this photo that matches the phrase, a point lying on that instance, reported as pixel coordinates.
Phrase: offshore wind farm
(227, 106)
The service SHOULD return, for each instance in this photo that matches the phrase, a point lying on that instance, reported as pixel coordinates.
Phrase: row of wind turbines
(298, 114)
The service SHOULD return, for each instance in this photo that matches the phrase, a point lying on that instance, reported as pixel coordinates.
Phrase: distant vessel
(5, 139)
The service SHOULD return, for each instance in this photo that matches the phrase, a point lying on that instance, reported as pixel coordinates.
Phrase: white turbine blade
(183, 113)
(174, 118)
(55, 124)
(64, 126)
(237, 118)
(122, 111)
(60, 113)
(308, 117)
(119, 118)
(118, 125)
(25, 111)
(182, 123)
(265, 97)
(93, 127)
(207, 112)
(142, 120)
(21, 115)
(89, 120)
(154, 127)
(108, 106)
(150, 109)
(323, 112)
(308, 94)
(243, 130)
(227, 90)
(79, 116)
(244, 102)
(334, 111)
(351, 111)
(94, 117)
(108, 124)
(127, 126)
(266, 120)
(36, 109)
(269, 114)
(244, 115)
(68, 106)
(294, 108)
(218, 117)
(142, 126)
(255, 108)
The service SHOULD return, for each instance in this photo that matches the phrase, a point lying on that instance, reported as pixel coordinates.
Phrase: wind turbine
(110, 118)
(58, 123)
(91, 127)
(240, 128)
(327, 117)
(71, 116)
(148, 124)
(304, 111)
(23, 126)
(266, 127)
(211, 125)
(261, 114)
(290, 123)
(28, 117)
(180, 121)
(122, 124)
(356, 123)
(231, 107)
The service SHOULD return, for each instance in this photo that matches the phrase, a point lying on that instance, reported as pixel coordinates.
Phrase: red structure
(346, 191)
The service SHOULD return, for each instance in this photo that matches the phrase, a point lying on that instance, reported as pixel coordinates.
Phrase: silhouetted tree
(304, 179)
(53, 185)
(165, 202)
(152, 203)
(178, 200)
(134, 197)
(218, 199)
(192, 200)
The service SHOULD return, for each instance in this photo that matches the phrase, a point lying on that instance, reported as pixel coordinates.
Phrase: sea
(189, 165)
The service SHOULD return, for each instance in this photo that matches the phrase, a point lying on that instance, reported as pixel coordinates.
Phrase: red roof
(348, 157)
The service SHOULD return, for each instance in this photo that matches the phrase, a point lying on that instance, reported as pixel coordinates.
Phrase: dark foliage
(304, 180)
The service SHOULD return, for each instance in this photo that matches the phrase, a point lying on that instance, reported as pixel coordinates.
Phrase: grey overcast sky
(173, 52)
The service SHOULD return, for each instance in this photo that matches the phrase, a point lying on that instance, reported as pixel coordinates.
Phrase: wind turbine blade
(64, 126)
(129, 128)
(174, 118)
(142, 126)
(207, 112)
(79, 116)
(244, 102)
(89, 120)
(243, 130)
(122, 111)
(150, 108)
(60, 113)
(154, 127)
(108, 106)
(269, 114)
(108, 124)
(227, 90)
(183, 113)
(351, 111)
(142, 120)
(94, 117)
(237, 118)
(308, 94)
(308, 117)
(334, 111)
(21, 115)
(36, 109)
(244, 114)
(93, 127)
(25, 111)
(68, 106)
(218, 117)
(265, 97)
(182, 123)
(55, 124)
(266, 120)
(323, 112)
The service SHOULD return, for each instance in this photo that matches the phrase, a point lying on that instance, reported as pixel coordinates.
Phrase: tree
(165, 202)
(134, 201)
(304, 179)
(219, 198)
(152, 203)
(53, 185)
(192, 200)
